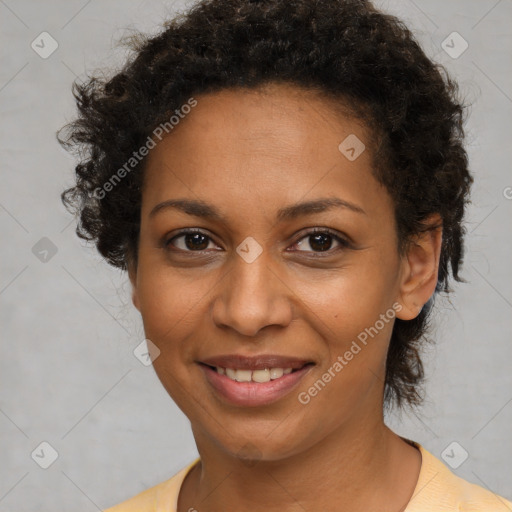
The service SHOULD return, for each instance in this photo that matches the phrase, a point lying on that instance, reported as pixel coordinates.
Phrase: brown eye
(321, 241)
(190, 241)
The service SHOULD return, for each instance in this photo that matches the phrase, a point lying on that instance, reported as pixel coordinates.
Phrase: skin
(250, 153)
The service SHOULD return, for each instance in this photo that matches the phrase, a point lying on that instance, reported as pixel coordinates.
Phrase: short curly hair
(364, 59)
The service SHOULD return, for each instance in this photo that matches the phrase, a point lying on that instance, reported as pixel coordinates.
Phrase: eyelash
(344, 243)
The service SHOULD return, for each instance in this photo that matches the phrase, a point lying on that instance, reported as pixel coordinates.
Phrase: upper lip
(258, 362)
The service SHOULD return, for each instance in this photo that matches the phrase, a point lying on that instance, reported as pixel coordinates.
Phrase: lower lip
(253, 394)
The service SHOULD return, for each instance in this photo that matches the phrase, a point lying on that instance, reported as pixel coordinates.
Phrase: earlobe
(420, 270)
(409, 310)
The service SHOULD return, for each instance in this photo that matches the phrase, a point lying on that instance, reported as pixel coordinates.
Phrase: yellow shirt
(437, 490)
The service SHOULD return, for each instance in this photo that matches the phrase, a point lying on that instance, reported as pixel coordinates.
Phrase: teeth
(261, 375)
(243, 375)
(265, 375)
(275, 373)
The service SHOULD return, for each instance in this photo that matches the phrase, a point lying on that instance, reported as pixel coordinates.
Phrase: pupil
(197, 241)
(321, 240)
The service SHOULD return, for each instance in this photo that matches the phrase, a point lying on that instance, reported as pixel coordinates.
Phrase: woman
(285, 184)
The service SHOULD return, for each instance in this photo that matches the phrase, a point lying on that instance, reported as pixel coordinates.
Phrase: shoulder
(161, 497)
(440, 489)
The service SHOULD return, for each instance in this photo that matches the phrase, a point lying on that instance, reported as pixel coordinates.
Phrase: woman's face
(256, 291)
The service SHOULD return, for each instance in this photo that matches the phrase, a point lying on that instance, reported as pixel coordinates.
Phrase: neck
(352, 469)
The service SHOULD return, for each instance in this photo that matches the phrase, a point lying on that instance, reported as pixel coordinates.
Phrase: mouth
(253, 381)
(263, 375)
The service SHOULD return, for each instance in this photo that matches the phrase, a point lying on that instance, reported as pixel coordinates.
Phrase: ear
(132, 274)
(420, 266)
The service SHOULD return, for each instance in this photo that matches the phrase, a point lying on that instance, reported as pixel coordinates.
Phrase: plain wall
(68, 374)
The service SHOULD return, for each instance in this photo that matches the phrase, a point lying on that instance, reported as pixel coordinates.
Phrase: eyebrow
(204, 210)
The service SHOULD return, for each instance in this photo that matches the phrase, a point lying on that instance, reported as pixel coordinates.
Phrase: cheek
(343, 304)
(173, 308)
(352, 313)
(351, 373)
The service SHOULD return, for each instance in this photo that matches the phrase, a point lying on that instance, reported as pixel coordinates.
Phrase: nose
(252, 296)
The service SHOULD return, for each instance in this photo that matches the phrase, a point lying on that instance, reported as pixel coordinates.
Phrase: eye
(321, 240)
(190, 240)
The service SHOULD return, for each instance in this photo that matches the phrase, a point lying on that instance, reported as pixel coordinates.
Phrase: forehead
(247, 149)
(273, 119)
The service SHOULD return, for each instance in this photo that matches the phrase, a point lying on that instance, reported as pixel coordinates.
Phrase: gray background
(68, 374)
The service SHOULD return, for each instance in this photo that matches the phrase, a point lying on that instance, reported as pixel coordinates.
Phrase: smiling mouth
(260, 376)
(257, 386)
